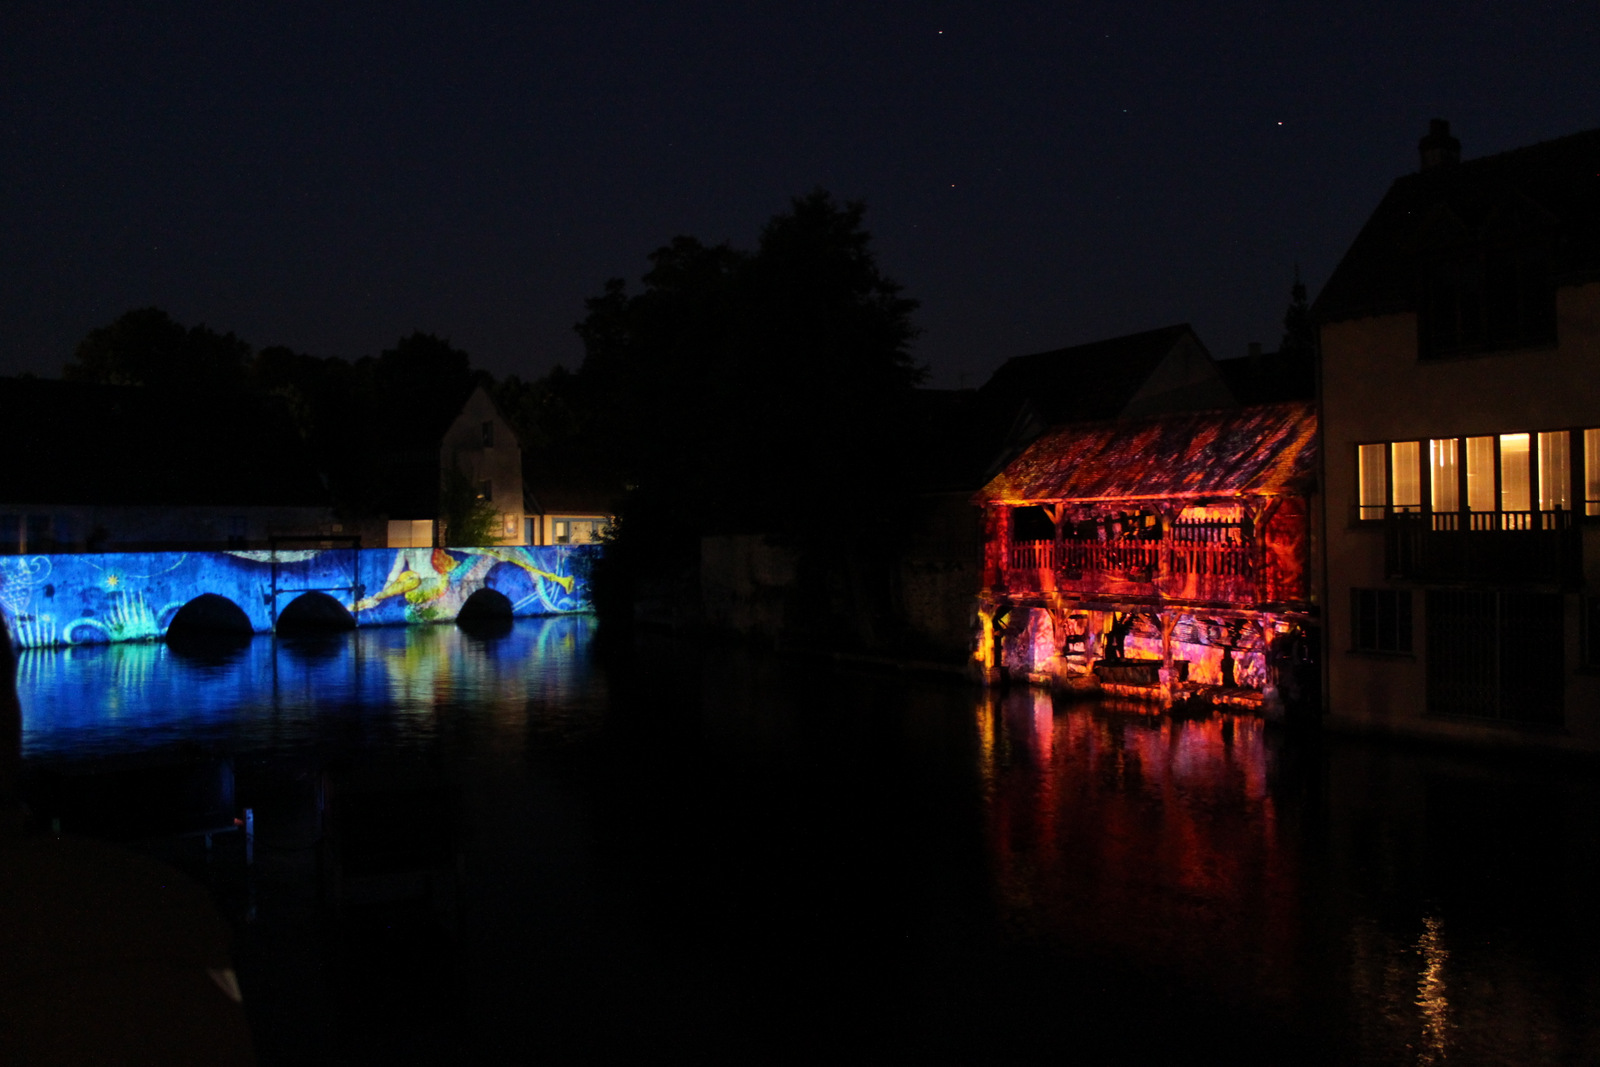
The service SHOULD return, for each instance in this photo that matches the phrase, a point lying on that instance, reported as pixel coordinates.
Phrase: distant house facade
(107, 468)
(1166, 557)
(568, 515)
(1460, 342)
(480, 447)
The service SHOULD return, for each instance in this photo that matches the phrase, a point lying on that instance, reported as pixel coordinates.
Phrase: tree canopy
(369, 425)
(751, 391)
(146, 347)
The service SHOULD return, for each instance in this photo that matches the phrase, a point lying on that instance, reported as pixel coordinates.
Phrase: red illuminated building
(1167, 556)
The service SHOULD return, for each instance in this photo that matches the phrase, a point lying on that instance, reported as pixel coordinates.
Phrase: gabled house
(1166, 369)
(479, 446)
(1460, 347)
(1167, 556)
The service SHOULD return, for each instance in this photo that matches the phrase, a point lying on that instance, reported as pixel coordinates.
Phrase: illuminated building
(480, 444)
(968, 436)
(1166, 556)
(1460, 340)
(567, 511)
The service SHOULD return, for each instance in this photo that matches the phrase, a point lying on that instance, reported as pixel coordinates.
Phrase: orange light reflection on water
(1148, 839)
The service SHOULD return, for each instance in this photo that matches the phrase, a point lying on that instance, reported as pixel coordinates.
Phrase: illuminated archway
(209, 615)
(314, 613)
(1030, 644)
(513, 581)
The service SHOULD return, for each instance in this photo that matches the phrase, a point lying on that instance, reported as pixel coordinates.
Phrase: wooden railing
(1221, 560)
(1184, 569)
(1137, 560)
(1028, 555)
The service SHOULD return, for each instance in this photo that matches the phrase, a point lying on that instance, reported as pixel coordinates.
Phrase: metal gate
(345, 579)
(1495, 655)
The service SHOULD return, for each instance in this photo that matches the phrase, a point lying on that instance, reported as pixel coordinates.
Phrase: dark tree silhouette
(753, 392)
(146, 347)
(1299, 342)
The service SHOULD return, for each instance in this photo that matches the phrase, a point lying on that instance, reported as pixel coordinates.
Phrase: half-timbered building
(1167, 556)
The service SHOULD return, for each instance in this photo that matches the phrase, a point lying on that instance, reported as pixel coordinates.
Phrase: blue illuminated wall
(132, 596)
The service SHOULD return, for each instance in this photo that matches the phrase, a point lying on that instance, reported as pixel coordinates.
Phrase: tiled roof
(971, 433)
(1083, 382)
(1551, 189)
(1268, 450)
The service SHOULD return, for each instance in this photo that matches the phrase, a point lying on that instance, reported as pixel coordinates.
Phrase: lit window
(1480, 473)
(559, 532)
(1555, 471)
(1407, 467)
(1445, 474)
(1515, 492)
(1591, 472)
(1374, 482)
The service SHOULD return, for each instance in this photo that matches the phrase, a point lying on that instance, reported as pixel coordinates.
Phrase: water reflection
(1144, 839)
(117, 698)
(754, 853)
(1407, 906)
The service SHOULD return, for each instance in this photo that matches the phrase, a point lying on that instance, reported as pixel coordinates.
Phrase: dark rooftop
(1084, 382)
(1550, 189)
(1029, 394)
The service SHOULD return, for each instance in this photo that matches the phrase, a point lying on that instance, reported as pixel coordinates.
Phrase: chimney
(1438, 148)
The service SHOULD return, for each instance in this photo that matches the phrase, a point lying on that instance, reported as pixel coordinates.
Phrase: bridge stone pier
(70, 599)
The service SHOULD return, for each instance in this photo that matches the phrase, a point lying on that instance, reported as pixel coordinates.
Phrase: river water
(653, 851)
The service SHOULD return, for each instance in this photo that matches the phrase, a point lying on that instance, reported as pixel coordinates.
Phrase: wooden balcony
(1175, 570)
(1489, 547)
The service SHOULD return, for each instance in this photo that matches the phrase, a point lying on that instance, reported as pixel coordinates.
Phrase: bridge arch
(209, 614)
(485, 607)
(314, 612)
(513, 581)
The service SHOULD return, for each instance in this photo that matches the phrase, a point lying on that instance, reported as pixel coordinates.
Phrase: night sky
(334, 176)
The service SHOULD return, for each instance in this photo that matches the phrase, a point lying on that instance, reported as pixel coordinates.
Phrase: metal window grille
(1495, 655)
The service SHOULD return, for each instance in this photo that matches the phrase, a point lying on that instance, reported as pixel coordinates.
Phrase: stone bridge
(74, 599)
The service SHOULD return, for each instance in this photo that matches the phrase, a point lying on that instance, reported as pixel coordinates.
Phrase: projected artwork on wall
(90, 599)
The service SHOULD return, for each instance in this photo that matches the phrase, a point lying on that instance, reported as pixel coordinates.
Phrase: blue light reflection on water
(119, 699)
(981, 876)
